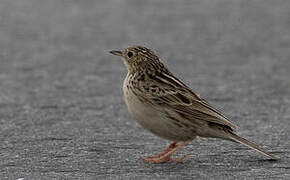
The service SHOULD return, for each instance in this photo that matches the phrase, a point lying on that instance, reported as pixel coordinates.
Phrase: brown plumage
(168, 108)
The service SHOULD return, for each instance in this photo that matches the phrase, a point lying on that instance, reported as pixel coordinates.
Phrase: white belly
(151, 119)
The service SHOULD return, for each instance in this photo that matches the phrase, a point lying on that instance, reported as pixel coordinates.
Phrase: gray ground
(61, 108)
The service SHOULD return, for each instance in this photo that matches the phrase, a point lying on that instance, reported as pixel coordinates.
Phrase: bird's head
(138, 58)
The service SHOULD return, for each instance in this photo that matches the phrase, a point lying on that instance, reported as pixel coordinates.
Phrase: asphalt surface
(61, 110)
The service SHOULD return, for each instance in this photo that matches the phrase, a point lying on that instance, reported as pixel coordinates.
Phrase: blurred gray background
(61, 108)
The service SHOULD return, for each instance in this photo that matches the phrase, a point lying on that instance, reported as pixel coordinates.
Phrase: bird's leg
(169, 148)
(167, 156)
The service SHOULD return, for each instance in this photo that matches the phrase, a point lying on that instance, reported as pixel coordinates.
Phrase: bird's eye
(130, 54)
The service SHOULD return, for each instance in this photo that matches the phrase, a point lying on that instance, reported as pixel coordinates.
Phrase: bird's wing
(167, 92)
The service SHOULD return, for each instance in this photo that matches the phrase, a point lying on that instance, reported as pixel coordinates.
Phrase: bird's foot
(168, 149)
(165, 156)
(163, 159)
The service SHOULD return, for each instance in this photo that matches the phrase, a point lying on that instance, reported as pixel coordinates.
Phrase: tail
(244, 141)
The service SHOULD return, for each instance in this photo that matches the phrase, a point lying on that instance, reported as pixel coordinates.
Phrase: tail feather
(252, 145)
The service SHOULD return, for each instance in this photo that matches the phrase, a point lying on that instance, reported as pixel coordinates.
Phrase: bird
(163, 104)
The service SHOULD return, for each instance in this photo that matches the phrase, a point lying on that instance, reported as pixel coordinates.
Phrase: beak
(117, 53)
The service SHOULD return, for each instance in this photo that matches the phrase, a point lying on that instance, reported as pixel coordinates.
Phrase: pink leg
(169, 148)
(167, 156)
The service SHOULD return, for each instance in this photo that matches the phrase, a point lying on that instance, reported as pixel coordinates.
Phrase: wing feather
(172, 93)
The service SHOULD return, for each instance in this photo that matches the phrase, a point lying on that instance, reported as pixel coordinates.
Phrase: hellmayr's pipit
(168, 108)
